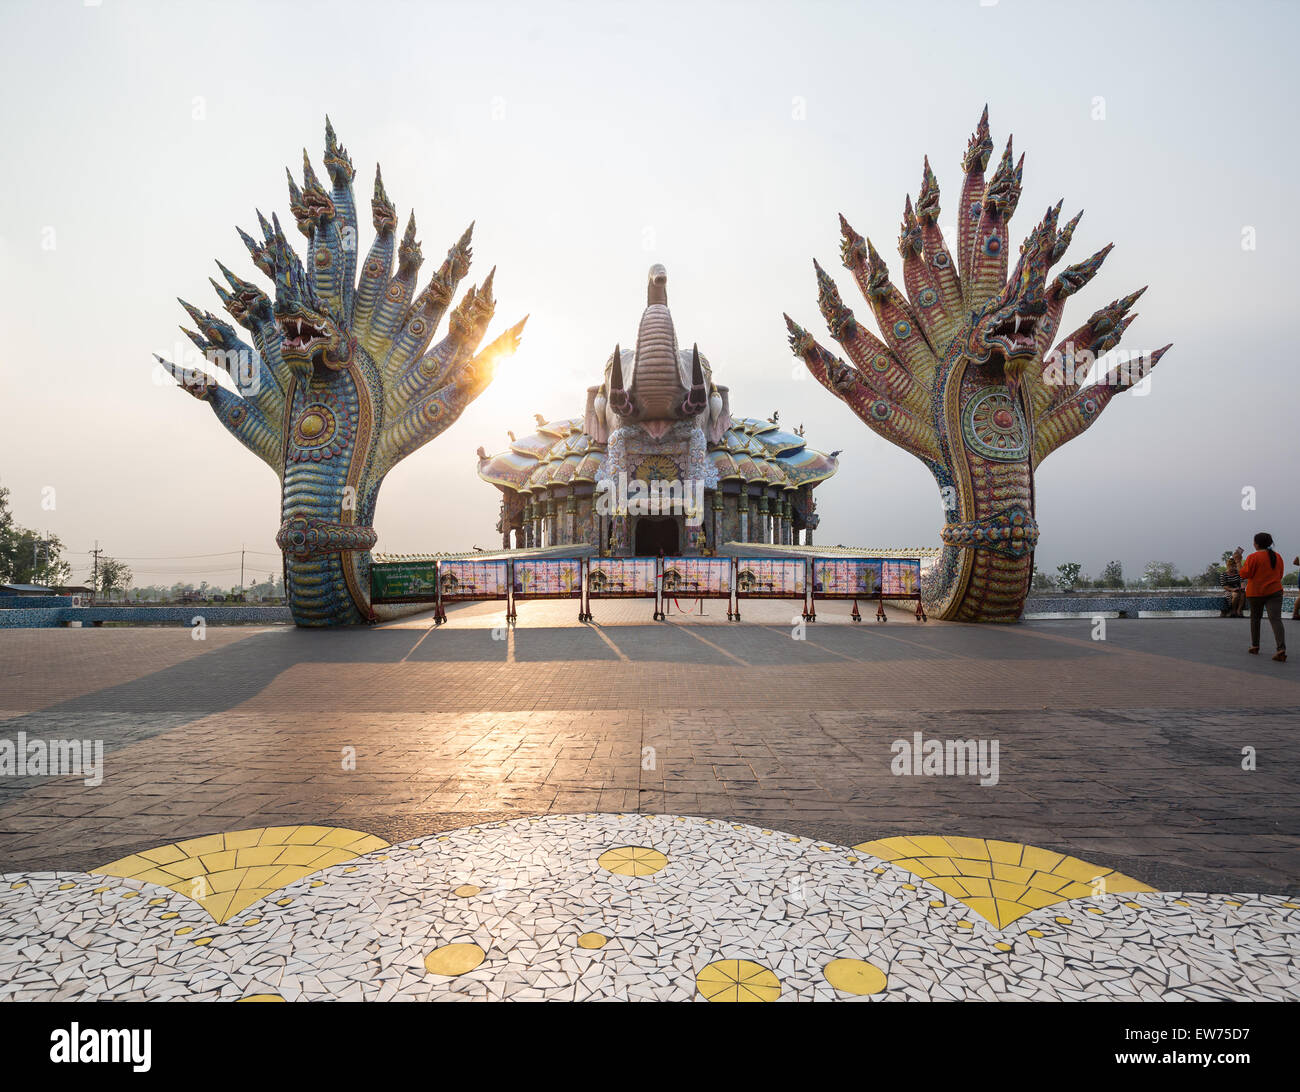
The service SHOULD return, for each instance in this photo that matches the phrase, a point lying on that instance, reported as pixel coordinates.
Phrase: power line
(180, 557)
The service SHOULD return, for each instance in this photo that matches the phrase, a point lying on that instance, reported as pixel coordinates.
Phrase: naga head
(311, 336)
(1003, 333)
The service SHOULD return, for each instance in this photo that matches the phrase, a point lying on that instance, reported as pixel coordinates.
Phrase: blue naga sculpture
(340, 383)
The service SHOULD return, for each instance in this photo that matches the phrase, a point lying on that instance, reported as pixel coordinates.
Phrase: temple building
(657, 463)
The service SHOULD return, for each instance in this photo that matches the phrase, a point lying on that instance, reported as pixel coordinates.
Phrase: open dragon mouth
(1014, 335)
(299, 334)
(319, 207)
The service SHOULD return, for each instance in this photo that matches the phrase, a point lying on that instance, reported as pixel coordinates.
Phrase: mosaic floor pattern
(628, 907)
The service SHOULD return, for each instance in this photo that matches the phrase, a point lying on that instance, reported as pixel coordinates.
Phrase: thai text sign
(404, 581)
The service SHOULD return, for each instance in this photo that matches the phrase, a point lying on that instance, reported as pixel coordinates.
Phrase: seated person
(1235, 595)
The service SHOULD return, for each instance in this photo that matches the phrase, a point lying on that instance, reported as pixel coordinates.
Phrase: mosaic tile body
(527, 891)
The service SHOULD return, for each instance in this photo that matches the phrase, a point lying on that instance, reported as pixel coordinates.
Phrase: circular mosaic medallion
(927, 297)
(855, 976)
(992, 426)
(454, 959)
(737, 980)
(632, 861)
(321, 428)
(315, 426)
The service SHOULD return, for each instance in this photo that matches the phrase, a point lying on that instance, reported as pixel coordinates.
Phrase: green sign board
(404, 581)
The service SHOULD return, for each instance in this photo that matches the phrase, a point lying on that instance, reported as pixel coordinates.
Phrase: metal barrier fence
(664, 580)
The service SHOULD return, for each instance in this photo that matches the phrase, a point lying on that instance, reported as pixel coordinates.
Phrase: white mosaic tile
(726, 892)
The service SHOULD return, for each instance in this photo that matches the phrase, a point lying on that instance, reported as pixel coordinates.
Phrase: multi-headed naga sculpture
(340, 383)
(961, 376)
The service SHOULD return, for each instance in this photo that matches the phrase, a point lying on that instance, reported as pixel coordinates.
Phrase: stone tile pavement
(1126, 751)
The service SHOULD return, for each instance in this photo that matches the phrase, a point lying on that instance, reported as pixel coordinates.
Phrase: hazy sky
(591, 140)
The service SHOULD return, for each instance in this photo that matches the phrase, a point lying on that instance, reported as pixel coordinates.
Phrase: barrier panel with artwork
(772, 578)
(697, 578)
(472, 580)
(620, 578)
(665, 580)
(866, 578)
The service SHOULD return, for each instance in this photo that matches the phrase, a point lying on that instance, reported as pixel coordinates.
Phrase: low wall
(50, 617)
(12, 602)
(1132, 604)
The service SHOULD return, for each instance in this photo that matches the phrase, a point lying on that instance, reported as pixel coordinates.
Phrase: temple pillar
(764, 525)
(570, 519)
(742, 506)
(717, 519)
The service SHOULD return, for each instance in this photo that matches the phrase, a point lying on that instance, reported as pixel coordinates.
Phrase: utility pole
(241, 569)
(94, 576)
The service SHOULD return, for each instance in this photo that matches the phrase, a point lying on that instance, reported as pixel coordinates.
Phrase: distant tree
(1160, 574)
(1067, 575)
(28, 557)
(114, 576)
(1213, 574)
(1112, 575)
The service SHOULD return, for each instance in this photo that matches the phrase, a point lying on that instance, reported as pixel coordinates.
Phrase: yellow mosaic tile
(632, 861)
(855, 976)
(737, 980)
(227, 873)
(1000, 881)
(454, 959)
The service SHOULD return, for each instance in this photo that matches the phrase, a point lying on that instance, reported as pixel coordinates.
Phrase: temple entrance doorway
(655, 534)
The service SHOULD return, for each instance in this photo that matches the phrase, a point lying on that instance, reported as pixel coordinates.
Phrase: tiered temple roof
(657, 418)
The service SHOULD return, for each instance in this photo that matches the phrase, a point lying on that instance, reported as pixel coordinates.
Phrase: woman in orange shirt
(1263, 573)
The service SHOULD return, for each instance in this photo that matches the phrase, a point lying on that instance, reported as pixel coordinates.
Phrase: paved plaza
(456, 768)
